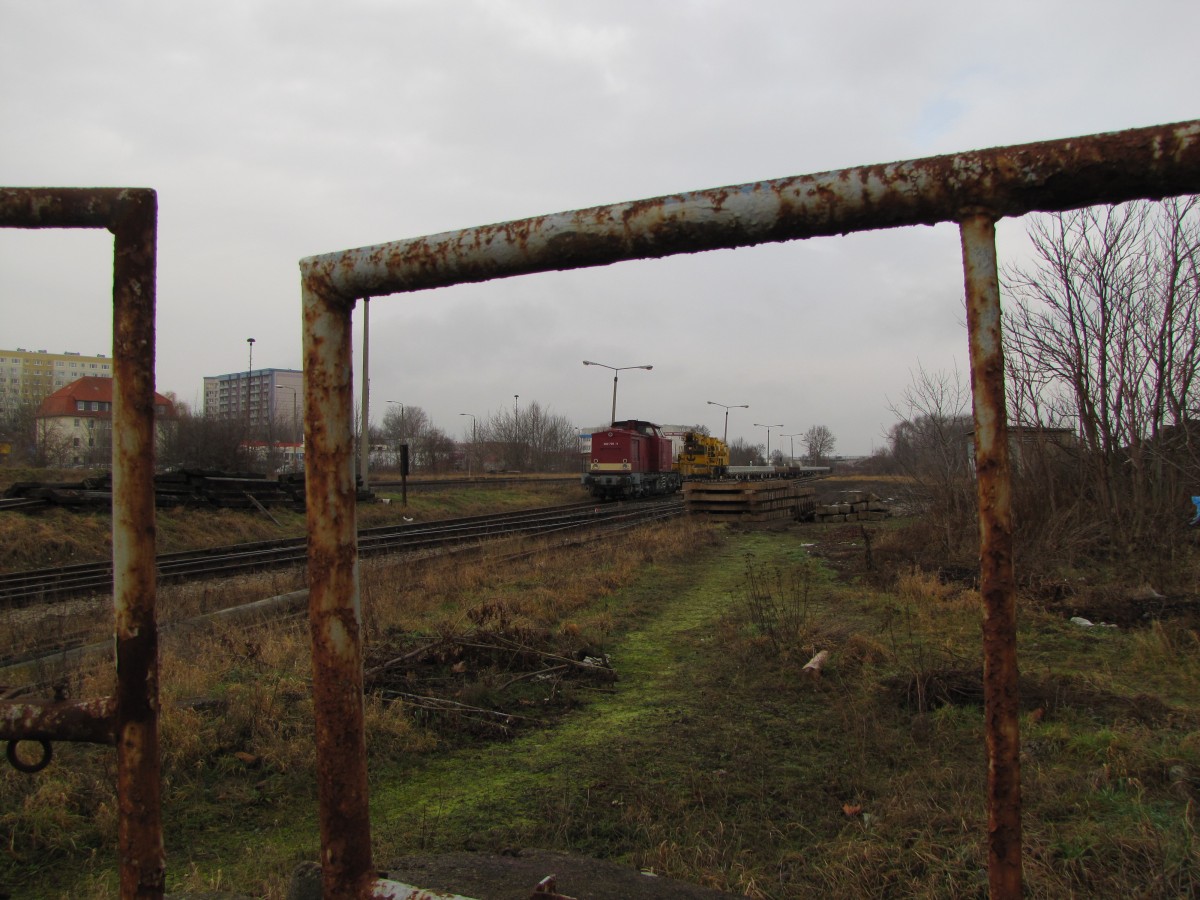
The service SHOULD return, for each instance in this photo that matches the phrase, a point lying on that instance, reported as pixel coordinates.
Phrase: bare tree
(504, 437)
(742, 453)
(819, 443)
(19, 431)
(51, 448)
(198, 441)
(405, 425)
(435, 450)
(531, 438)
(930, 445)
(553, 439)
(1104, 335)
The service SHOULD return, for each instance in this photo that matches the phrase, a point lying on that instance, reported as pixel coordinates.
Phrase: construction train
(635, 459)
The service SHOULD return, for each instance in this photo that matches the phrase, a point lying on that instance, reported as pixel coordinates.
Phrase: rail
(61, 582)
(574, 525)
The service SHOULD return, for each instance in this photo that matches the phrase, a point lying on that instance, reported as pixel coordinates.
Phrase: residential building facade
(269, 400)
(74, 424)
(27, 377)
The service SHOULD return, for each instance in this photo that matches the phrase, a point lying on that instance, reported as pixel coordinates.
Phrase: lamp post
(768, 427)
(793, 437)
(249, 373)
(295, 419)
(473, 445)
(615, 370)
(725, 437)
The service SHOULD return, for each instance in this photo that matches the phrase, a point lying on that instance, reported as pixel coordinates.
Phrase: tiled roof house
(79, 418)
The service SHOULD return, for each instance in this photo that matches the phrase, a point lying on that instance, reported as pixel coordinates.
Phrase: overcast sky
(273, 131)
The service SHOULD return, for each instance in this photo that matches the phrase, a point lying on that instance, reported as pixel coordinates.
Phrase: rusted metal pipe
(87, 721)
(1142, 163)
(131, 214)
(335, 619)
(134, 226)
(997, 582)
(61, 207)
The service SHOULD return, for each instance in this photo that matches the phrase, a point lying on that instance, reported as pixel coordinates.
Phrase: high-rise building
(262, 397)
(27, 377)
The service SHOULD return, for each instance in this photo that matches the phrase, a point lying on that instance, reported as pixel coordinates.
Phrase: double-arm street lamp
(768, 427)
(473, 444)
(725, 437)
(615, 370)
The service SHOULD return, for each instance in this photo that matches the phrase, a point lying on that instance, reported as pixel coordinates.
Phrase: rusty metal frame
(130, 718)
(972, 189)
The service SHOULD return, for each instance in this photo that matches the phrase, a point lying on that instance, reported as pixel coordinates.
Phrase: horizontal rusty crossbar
(1143, 163)
(67, 207)
(87, 721)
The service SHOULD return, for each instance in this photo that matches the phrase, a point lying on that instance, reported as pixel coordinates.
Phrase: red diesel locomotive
(631, 459)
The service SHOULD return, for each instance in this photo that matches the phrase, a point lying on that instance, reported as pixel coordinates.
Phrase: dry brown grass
(237, 713)
(56, 536)
(714, 761)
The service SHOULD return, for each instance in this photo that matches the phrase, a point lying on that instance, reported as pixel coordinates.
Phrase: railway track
(45, 585)
(433, 484)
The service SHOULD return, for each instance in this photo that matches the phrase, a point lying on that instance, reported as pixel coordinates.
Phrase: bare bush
(1103, 337)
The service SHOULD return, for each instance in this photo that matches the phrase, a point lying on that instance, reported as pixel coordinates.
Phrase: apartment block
(27, 377)
(265, 398)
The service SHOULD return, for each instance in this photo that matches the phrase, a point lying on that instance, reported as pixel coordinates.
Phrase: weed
(778, 602)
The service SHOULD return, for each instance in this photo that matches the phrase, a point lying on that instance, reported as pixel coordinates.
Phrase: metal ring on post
(28, 768)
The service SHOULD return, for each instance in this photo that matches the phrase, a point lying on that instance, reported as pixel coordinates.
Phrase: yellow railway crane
(702, 456)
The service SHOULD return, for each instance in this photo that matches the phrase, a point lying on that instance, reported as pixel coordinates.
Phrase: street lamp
(249, 373)
(768, 427)
(725, 438)
(615, 370)
(472, 442)
(793, 437)
(295, 419)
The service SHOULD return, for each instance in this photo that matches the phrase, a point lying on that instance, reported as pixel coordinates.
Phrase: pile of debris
(183, 487)
(856, 506)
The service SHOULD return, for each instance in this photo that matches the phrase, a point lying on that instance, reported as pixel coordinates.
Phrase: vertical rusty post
(996, 580)
(134, 225)
(335, 618)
